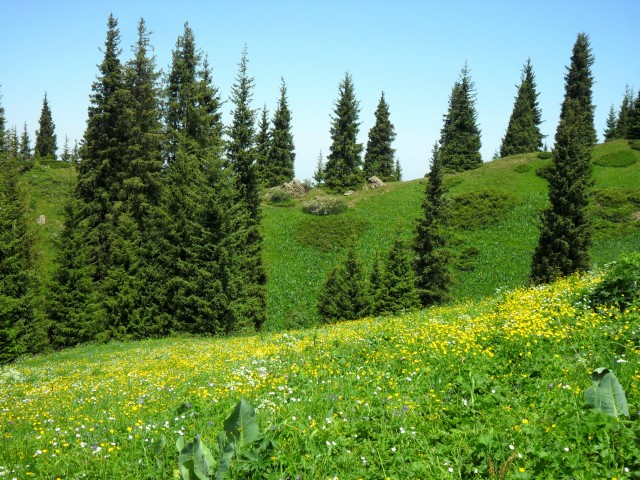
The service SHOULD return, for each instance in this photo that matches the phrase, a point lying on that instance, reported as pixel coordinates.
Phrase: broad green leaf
(242, 425)
(226, 454)
(606, 393)
(195, 460)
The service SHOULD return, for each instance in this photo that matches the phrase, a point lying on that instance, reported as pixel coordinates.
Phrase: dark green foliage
(25, 144)
(620, 286)
(343, 170)
(65, 156)
(104, 151)
(318, 174)
(634, 120)
(478, 208)
(281, 157)
(393, 287)
(17, 319)
(249, 276)
(45, 136)
(72, 303)
(431, 261)
(379, 158)
(329, 233)
(623, 121)
(263, 143)
(460, 135)
(578, 89)
(523, 133)
(565, 231)
(345, 293)
(545, 155)
(617, 159)
(3, 126)
(611, 130)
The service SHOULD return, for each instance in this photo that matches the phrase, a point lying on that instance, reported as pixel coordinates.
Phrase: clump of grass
(329, 233)
(619, 159)
(479, 208)
(522, 168)
(279, 197)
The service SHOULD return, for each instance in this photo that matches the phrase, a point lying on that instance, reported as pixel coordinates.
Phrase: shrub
(620, 286)
(324, 205)
(329, 233)
(485, 207)
(620, 159)
(544, 171)
(522, 168)
(545, 155)
(280, 197)
(635, 144)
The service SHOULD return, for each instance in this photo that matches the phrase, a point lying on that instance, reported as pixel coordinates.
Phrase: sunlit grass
(432, 394)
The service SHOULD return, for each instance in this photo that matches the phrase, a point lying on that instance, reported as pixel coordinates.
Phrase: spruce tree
(3, 126)
(249, 302)
(523, 133)
(460, 135)
(396, 288)
(379, 158)
(72, 301)
(17, 319)
(263, 144)
(431, 258)
(345, 295)
(611, 130)
(633, 132)
(343, 169)
(45, 136)
(65, 156)
(578, 85)
(622, 124)
(25, 144)
(281, 158)
(104, 151)
(131, 281)
(196, 253)
(318, 174)
(565, 230)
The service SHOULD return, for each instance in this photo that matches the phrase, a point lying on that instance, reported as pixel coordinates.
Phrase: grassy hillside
(491, 389)
(496, 210)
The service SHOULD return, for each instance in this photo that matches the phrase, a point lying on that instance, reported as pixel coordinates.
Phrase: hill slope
(464, 391)
(496, 211)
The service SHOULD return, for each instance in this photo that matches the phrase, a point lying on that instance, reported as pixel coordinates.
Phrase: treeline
(162, 228)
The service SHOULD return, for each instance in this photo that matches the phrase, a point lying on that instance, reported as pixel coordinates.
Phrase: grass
(451, 392)
(497, 208)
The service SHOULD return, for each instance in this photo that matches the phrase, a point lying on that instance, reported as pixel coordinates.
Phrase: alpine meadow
(174, 303)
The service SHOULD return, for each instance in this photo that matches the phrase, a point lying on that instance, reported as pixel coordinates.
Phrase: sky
(411, 50)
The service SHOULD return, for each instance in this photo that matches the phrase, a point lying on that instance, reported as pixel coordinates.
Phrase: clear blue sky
(412, 50)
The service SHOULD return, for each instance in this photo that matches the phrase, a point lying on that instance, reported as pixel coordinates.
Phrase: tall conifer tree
(460, 135)
(281, 159)
(3, 126)
(611, 129)
(45, 136)
(16, 265)
(565, 231)
(432, 259)
(379, 158)
(25, 144)
(263, 144)
(523, 133)
(578, 97)
(249, 302)
(633, 131)
(396, 287)
(343, 169)
(622, 124)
